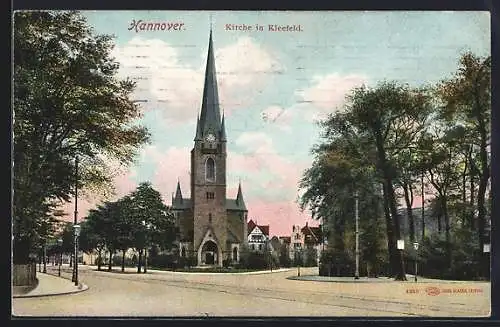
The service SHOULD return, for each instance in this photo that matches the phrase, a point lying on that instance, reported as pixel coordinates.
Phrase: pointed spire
(210, 113)
(178, 193)
(239, 198)
(223, 129)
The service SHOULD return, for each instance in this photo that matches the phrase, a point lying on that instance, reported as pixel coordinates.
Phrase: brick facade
(209, 217)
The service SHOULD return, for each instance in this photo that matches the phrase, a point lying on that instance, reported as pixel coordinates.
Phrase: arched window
(210, 170)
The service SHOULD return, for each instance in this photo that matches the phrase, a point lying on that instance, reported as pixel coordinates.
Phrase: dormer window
(210, 170)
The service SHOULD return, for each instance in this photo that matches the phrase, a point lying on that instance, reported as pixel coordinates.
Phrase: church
(211, 227)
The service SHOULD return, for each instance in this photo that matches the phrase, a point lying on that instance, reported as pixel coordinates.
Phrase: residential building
(258, 236)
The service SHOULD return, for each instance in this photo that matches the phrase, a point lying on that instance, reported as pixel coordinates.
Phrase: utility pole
(423, 202)
(75, 223)
(356, 275)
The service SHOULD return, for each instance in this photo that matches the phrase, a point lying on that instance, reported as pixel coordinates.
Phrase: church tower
(208, 172)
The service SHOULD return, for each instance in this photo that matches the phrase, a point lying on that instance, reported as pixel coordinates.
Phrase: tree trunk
(440, 229)
(409, 211)
(99, 261)
(444, 203)
(139, 262)
(110, 262)
(123, 260)
(71, 260)
(391, 245)
(388, 176)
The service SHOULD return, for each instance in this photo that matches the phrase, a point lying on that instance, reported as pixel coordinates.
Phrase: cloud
(278, 116)
(171, 166)
(175, 88)
(269, 174)
(327, 94)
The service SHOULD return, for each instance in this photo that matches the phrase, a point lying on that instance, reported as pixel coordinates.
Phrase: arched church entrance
(209, 253)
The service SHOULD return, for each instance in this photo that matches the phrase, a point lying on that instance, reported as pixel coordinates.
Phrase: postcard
(251, 164)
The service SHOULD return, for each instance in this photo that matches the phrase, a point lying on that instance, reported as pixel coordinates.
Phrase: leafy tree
(153, 222)
(467, 100)
(68, 102)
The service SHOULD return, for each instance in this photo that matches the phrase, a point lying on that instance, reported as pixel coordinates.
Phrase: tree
(68, 102)
(466, 100)
(158, 228)
(393, 116)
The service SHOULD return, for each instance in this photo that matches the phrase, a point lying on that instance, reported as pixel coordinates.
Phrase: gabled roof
(263, 228)
(231, 238)
(285, 239)
(232, 204)
(313, 232)
(250, 226)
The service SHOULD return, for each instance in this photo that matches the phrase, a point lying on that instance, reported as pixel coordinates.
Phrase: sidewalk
(409, 279)
(49, 285)
(133, 270)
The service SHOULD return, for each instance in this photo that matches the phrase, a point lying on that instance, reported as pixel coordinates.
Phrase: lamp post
(77, 233)
(75, 224)
(59, 242)
(415, 246)
(356, 274)
(401, 247)
(44, 256)
(486, 251)
(147, 226)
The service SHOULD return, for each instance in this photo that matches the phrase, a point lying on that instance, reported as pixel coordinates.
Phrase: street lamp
(415, 246)
(44, 256)
(148, 226)
(77, 233)
(59, 242)
(401, 247)
(356, 274)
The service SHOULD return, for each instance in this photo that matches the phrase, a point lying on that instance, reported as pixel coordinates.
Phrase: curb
(222, 274)
(81, 288)
(210, 273)
(306, 278)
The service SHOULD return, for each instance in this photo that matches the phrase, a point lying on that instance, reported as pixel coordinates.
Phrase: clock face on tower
(210, 137)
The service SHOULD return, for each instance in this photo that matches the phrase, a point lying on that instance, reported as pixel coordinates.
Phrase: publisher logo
(433, 291)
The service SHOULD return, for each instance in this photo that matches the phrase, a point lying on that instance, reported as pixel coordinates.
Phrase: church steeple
(239, 198)
(210, 113)
(178, 194)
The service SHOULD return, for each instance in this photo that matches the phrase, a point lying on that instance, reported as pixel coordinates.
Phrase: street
(181, 294)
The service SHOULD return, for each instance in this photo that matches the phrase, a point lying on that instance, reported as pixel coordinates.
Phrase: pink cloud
(171, 166)
(280, 216)
(123, 184)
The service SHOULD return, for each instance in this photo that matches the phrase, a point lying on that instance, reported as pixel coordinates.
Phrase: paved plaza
(170, 294)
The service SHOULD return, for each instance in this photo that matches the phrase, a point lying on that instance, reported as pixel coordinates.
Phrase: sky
(274, 85)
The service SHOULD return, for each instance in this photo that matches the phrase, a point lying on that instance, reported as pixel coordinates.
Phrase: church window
(210, 218)
(260, 246)
(210, 195)
(210, 170)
